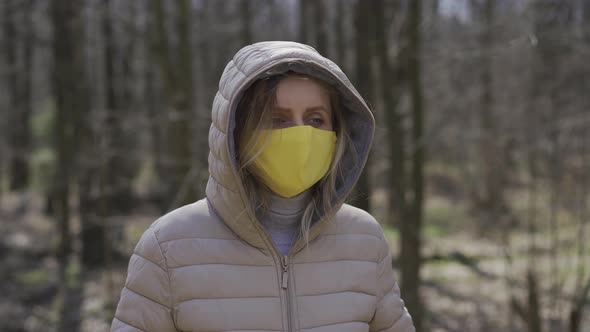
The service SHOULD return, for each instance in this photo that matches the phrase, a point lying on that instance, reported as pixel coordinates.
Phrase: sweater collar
(289, 206)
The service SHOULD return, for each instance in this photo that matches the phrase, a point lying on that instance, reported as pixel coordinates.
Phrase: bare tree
(304, 19)
(340, 34)
(397, 75)
(320, 28)
(411, 228)
(489, 197)
(175, 64)
(18, 29)
(246, 11)
(69, 90)
(364, 83)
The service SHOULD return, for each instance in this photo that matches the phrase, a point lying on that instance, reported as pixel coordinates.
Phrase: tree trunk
(534, 307)
(340, 35)
(364, 54)
(319, 22)
(178, 84)
(207, 74)
(20, 167)
(411, 227)
(19, 90)
(111, 177)
(246, 8)
(69, 92)
(10, 58)
(491, 196)
(181, 128)
(391, 81)
(583, 211)
(304, 6)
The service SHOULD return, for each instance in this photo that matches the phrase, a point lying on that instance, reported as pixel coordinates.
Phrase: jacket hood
(225, 191)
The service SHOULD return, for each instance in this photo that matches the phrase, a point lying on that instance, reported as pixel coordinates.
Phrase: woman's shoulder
(353, 220)
(195, 220)
(352, 234)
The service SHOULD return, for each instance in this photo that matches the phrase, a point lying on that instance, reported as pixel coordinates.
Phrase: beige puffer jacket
(211, 266)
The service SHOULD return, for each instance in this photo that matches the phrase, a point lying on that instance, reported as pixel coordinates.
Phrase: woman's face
(302, 101)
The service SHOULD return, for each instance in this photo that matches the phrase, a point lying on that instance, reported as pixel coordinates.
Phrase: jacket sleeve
(391, 314)
(145, 303)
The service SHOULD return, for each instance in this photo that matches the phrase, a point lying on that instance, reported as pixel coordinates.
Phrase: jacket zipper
(284, 286)
(284, 276)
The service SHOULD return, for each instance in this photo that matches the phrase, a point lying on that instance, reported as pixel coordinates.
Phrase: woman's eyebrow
(282, 109)
(312, 108)
(317, 108)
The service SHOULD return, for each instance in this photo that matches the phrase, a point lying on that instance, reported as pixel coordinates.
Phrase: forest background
(479, 173)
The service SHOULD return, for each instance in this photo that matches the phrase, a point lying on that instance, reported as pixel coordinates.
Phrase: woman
(272, 247)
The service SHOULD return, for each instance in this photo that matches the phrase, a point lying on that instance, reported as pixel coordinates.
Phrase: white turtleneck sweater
(283, 219)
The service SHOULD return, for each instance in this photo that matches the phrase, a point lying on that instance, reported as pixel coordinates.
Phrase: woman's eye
(316, 122)
(278, 122)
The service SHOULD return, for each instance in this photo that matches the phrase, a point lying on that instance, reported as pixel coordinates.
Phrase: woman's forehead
(301, 92)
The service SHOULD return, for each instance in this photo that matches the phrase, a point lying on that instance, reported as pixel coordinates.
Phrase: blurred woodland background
(479, 172)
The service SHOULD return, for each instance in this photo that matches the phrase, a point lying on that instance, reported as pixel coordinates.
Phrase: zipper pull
(284, 275)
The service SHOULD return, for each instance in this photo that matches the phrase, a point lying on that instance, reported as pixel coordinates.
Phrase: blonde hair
(253, 115)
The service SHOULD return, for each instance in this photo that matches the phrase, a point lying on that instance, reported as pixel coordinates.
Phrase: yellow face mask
(295, 158)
